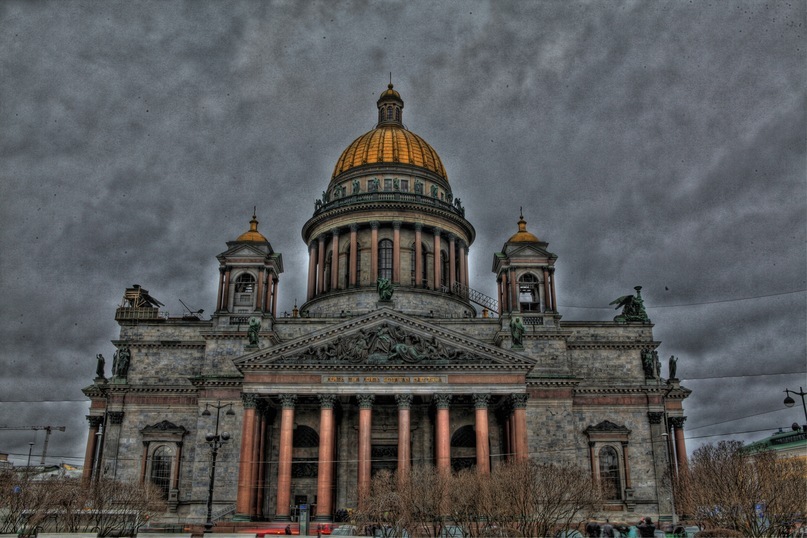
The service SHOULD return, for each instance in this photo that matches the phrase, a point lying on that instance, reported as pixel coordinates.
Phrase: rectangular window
(388, 184)
(405, 185)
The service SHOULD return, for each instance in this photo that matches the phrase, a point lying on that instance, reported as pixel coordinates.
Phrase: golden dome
(390, 142)
(253, 235)
(522, 235)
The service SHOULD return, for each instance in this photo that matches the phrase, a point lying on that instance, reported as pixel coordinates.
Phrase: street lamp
(665, 437)
(790, 402)
(215, 440)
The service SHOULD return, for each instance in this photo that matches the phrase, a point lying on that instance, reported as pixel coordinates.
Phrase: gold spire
(522, 235)
(253, 235)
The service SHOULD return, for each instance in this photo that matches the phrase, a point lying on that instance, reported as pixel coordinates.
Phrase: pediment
(385, 338)
(531, 250)
(243, 250)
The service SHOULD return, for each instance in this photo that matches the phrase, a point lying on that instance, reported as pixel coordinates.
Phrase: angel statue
(632, 308)
(384, 287)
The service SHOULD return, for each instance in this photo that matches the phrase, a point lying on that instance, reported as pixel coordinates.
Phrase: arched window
(529, 296)
(389, 113)
(304, 459)
(385, 259)
(160, 474)
(610, 479)
(244, 290)
(444, 268)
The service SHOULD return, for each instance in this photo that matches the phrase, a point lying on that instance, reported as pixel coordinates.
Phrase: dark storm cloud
(650, 143)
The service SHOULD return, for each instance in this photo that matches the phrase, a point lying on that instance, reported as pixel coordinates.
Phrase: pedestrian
(288, 530)
(593, 529)
(646, 528)
(608, 529)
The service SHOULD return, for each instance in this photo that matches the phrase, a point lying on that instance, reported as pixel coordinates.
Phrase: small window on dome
(405, 185)
(398, 114)
(389, 113)
(387, 184)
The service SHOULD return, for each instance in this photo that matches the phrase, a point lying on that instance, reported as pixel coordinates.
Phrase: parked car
(345, 530)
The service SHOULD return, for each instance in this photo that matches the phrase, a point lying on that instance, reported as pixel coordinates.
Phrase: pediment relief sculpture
(385, 344)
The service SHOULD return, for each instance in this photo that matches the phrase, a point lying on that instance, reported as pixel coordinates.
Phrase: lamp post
(790, 402)
(215, 440)
(665, 437)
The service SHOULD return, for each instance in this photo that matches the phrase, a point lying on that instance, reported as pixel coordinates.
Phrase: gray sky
(659, 144)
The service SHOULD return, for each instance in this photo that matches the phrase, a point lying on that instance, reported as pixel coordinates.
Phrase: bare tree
(752, 492)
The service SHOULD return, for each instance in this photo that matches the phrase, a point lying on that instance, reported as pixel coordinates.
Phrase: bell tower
(525, 277)
(249, 272)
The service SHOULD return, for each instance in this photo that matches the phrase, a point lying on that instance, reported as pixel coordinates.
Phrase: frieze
(385, 379)
(388, 344)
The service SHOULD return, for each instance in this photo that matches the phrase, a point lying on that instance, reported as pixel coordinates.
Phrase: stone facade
(315, 403)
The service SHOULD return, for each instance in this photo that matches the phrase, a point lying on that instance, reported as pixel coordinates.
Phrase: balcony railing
(389, 196)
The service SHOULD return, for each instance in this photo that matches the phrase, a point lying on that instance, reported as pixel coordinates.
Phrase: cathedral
(394, 360)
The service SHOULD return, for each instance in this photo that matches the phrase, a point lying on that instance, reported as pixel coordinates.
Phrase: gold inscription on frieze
(397, 380)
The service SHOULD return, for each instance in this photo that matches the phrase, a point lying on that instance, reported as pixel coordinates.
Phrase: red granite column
(463, 265)
(321, 264)
(220, 301)
(547, 292)
(261, 459)
(554, 299)
(520, 419)
(335, 260)
(312, 270)
(418, 255)
(680, 444)
(282, 511)
(374, 251)
(260, 289)
(255, 456)
(226, 293)
(396, 252)
(507, 439)
(365, 444)
(244, 500)
(505, 302)
(514, 292)
(354, 245)
(92, 444)
(438, 266)
(274, 298)
(443, 435)
(404, 434)
(452, 262)
(482, 433)
(326, 444)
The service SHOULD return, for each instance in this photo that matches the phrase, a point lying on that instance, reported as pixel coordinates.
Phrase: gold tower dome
(252, 235)
(522, 235)
(390, 142)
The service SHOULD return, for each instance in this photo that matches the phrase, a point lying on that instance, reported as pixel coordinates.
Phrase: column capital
(677, 422)
(365, 400)
(116, 417)
(519, 401)
(250, 400)
(481, 401)
(442, 401)
(374, 224)
(326, 401)
(452, 236)
(655, 417)
(396, 224)
(288, 400)
(354, 227)
(404, 401)
(95, 421)
(437, 231)
(335, 232)
(418, 226)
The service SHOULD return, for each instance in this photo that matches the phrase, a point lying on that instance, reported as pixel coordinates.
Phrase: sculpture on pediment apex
(632, 307)
(99, 365)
